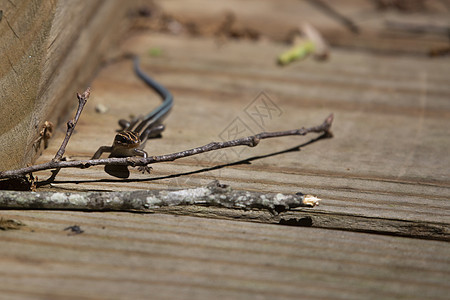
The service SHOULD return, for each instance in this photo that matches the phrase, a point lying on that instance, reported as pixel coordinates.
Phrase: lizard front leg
(143, 169)
(100, 151)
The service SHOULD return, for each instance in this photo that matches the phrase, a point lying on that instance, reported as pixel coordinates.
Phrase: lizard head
(127, 139)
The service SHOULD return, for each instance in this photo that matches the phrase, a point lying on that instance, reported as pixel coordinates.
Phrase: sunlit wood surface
(123, 256)
(385, 171)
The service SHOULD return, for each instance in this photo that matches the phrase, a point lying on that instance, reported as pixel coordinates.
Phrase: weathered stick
(214, 194)
(250, 141)
(82, 99)
(333, 13)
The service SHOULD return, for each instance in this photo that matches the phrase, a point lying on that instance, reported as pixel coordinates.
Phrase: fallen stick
(214, 194)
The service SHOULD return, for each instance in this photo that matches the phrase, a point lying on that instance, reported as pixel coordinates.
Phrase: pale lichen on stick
(214, 194)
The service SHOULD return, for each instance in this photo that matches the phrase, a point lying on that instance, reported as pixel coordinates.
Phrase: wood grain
(123, 255)
(49, 51)
(383, 162)
(385, 171)
(279, 20)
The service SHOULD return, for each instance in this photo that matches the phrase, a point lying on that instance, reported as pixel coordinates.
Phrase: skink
(131, 139)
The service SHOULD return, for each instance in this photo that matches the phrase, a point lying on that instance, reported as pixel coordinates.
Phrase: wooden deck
(383, 175)
(123, 256)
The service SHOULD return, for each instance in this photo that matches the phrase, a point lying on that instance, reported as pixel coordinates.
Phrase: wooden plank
(388, 121)
(417, 31)
(385, 171)
(324, 218)
(122, 256)
(48, 48)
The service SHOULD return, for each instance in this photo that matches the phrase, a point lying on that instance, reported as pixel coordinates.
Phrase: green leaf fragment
(155, 52)
(297, 52)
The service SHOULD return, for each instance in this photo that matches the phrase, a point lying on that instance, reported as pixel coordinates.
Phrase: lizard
(133, 135)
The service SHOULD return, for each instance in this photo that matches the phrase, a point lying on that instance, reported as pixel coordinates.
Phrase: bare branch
(82, 99)
(134, 161)
(333, 13)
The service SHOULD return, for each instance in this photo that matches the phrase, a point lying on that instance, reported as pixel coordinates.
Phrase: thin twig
(134, 161)
(214, 194)
(321, 48)
(82, 99)
(329, 10)
(415, 28)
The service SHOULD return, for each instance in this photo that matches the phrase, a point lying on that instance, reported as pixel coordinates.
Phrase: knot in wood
(70, 124)
(85, 165)
(253, 141)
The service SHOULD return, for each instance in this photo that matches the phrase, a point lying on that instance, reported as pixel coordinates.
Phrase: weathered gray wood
(49, 50)
(216, 201)
(278, 20)
(122, 255)
(385, 171)
(384, 162)
(319, 218)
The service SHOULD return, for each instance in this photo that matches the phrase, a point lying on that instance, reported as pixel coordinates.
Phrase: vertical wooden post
(48, 51)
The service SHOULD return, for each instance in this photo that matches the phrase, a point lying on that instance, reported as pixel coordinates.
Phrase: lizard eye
(121, 139)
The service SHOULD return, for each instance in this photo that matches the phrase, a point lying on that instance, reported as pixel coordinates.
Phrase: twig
(82, 99)
(347, 22)
(415, 28)
(250, 141)
(214, 194)
(321, 49)
(45, 135)
(311, 43)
